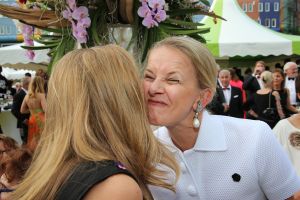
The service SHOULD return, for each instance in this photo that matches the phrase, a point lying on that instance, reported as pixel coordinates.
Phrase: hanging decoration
(69, 24)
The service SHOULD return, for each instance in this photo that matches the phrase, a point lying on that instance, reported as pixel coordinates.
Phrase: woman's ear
(205, 98)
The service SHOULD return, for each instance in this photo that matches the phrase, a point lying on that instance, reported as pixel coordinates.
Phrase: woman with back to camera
(220, 157)
(97, 143)
(35, 104)
(265, 99)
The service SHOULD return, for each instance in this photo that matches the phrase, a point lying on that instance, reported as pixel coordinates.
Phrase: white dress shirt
(232, 159)
(290, 84)
(227, 94)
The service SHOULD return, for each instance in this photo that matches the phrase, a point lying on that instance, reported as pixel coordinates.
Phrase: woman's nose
(156, 87)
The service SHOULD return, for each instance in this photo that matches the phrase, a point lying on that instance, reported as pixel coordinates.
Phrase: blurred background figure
(22, 119)
(237, 82)
(265, 104)
(284, 93)
(18, 86)
(254, 82)
(27, 74)
(228, 99)
(7, 146)
(3, 83)
(287, 132)
(35, 104)
(291, 72)
(14, 169)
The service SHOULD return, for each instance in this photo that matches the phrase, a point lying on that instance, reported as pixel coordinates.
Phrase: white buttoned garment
(232, 159)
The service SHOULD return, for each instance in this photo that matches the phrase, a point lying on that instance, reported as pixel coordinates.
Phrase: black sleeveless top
(85, 176)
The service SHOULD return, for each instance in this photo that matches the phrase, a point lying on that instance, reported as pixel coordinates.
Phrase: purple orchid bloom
(144, 10)
(80, 34)
(80, 13)
(149, 22)
(160, 15)
(84, 23)
(156, 4)
(29, 42)
(30, 54)
(71, 4)
(67, 14)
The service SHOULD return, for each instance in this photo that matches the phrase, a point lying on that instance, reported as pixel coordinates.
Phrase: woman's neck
(295, 120)
(276, 87)
(184, 136)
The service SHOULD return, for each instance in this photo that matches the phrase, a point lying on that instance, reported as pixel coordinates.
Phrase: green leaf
(39, 47)
(185, 32)
(181, 22)
(205, 2)
(45, 41)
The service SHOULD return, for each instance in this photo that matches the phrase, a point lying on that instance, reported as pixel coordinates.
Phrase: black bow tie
(291, 79)
(226, 88)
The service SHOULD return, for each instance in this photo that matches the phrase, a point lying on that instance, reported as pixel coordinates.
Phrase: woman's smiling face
(170, 86)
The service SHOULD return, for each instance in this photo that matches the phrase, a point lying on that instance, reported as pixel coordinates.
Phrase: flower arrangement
(85, 23)
(153, 12)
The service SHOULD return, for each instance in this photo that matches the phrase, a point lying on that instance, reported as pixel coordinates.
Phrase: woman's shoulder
(87, 175)
(118, 186)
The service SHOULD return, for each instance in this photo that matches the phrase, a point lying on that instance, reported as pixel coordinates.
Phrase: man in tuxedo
(228, 99)
(254, 82)
(291, 72)
(22, 119)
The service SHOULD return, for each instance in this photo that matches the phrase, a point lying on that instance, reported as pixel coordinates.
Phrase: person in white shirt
(291, 72)
(287, 132)
(220, 157)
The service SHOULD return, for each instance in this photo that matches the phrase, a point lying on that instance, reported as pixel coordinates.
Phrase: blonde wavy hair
(36, 86)
(95, 111)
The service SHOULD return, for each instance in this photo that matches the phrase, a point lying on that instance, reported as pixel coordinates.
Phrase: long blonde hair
(95, 111)
(36, 86)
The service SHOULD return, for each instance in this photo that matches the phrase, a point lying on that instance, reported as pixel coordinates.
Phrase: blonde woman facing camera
(220, 157)
(97, 143)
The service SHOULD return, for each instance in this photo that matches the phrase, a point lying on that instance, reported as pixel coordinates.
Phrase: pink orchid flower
(84, 23)
(67, 14)
(71, 4)
(144, 10)
(80, 13)
(156, 4)
(149, 22)
(160, 15)
(30, 54)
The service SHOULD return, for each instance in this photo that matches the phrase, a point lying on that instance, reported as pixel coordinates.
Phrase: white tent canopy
(16, 54)
(242, 36)
(13, 74)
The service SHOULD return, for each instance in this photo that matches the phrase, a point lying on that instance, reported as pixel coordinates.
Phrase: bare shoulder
(40, 95)
(117, 187)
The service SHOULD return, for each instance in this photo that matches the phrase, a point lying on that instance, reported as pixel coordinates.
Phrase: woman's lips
(156, 103)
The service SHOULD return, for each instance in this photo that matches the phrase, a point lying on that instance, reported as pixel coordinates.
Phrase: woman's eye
(148, 77)
(173, 81)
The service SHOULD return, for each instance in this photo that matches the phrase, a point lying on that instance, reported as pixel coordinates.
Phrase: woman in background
(35, 104)
(97, 142)
(267, 98)
(284, 93)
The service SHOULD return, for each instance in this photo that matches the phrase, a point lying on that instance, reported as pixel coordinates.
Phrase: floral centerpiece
(74, 24)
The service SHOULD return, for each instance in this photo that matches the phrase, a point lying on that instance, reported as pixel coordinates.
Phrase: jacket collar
(211, 136)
